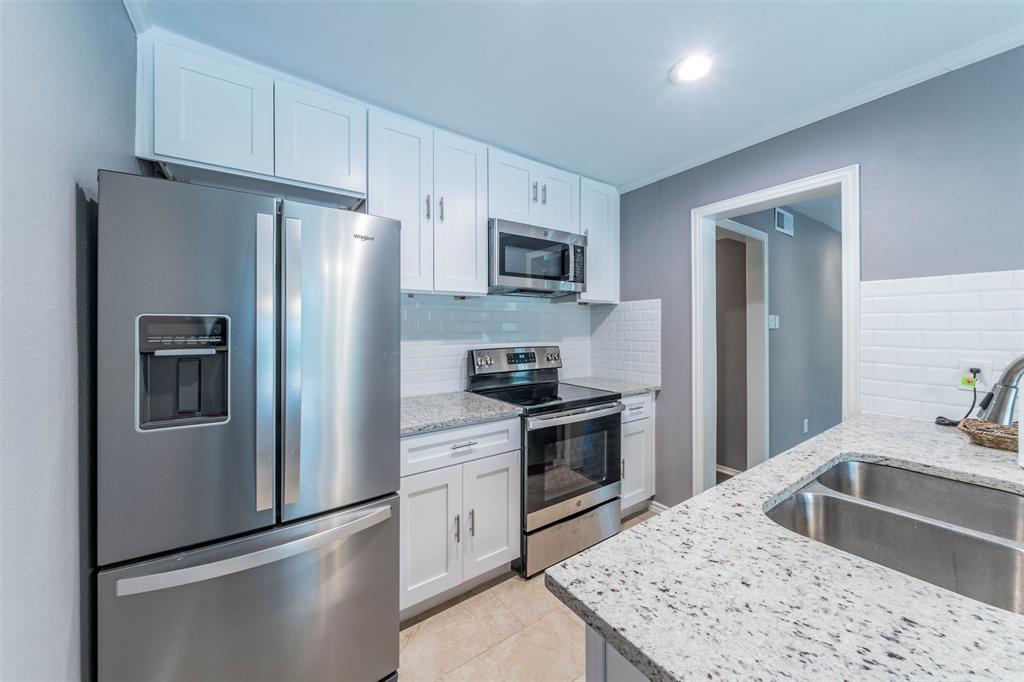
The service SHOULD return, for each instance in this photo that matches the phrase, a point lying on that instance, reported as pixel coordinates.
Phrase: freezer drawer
(314, 601)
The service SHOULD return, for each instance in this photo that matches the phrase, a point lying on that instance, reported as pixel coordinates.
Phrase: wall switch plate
(805, 426)
(965, 380)
(773, 322)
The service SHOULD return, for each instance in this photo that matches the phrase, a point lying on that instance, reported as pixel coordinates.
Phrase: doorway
(741, 298)
(705, 224)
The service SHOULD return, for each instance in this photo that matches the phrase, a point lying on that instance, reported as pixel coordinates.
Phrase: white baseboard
(727, 471)
(657, 507)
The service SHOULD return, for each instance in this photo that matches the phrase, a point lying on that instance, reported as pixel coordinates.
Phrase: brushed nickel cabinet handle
(460, 446)
(472, 523)
(428, 207)
(544, 194)
(535, 192)
(458, 528)
(440, 209)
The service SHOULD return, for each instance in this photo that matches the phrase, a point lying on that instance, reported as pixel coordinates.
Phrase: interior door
(490, 489)
(310, 601)
(340, 358)
(175, 249)
(401, 186)
(430, 553)
(460, 228)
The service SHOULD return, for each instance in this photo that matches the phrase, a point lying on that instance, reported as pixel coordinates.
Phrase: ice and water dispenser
(183, 371)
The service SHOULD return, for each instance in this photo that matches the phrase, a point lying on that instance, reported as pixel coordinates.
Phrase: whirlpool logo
(363, 237)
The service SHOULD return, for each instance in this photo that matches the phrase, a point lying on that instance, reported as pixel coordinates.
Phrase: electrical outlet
(965, 380)
(805, 426)
(773, 322)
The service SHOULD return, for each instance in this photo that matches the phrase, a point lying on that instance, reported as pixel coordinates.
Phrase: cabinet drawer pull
(634, 408)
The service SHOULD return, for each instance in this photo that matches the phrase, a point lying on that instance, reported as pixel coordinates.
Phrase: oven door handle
(573, 416)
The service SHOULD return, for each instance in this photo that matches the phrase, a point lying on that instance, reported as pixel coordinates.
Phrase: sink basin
(903, 530)
(963, 504)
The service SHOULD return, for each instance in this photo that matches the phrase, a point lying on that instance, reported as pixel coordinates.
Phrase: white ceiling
(584, 85)
(827, 209)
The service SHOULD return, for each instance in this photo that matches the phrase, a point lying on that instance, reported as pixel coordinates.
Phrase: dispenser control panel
(182, 332)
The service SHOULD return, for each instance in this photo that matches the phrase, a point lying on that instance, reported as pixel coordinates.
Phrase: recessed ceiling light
(692, 67)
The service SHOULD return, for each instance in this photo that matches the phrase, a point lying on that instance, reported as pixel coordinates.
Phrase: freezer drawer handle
(573, 416)
(217, 569)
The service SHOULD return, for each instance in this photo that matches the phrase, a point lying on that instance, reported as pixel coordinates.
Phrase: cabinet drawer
(438, 449)
(637, 407)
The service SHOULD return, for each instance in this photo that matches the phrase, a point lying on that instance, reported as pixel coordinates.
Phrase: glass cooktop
(551, 396)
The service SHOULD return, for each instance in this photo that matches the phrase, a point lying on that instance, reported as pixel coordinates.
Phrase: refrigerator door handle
(292, 402)
(216, 569)
(265, 359)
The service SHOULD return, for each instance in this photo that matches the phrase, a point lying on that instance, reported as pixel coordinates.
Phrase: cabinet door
(599, 221)
(637, 443)
(491, 499)
(430, 557)
(559, 199)
(513, 193)
(401, 186)
(319, 138)
(212, 111)
(460, 228)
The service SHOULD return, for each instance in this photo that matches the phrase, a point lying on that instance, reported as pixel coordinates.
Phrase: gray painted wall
(731, 345)
(67, 98)
(942, 172)
(805, 355)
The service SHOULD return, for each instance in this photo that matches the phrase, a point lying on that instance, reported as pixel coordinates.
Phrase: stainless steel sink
(972, 506)
(909, 524)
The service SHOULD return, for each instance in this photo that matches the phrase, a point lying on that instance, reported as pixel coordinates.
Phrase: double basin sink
(959, 536)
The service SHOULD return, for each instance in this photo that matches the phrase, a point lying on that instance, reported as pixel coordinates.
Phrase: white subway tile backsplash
(919, 329)
(626, 341)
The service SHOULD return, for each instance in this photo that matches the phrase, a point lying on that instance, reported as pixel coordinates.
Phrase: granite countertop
(713, 589)
(437, 411)
(626, 388)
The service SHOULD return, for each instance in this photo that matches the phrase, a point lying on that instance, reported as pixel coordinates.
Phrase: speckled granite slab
(626, 388)
(424, 413)
(713, 589)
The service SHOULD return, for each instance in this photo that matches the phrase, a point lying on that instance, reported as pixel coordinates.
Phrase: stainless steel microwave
(535, 261)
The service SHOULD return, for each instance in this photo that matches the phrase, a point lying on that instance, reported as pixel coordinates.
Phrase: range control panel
(493, 360)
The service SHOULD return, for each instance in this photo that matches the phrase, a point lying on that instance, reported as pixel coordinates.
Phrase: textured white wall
(915, 332)
(67, 76)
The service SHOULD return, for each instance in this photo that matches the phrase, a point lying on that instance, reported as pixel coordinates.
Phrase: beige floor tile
(406, 634)
(446, 641)
(529, 600)
(581, 678)
(552, 649)
(480, 669)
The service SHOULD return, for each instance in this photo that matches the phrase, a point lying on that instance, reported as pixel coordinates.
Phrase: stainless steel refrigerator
(247, 437)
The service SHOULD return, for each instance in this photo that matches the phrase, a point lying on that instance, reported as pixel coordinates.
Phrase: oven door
(571, 462)
(535, 258)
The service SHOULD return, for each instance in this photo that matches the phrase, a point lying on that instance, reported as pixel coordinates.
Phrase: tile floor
(507, 630)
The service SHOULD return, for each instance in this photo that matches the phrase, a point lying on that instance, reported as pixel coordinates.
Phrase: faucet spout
(997, 407)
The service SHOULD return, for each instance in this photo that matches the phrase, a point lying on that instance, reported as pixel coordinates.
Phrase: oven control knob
(489, 361)
(548, 357)
(479, 362)
(555, 357)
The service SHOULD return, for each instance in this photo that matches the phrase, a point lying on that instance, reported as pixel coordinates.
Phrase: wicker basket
(1003, 437)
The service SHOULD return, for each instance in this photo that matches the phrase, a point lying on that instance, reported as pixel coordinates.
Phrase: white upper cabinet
(319, 138)
(599, 221)
(512, 191)
(212, 111)
(559, 198)
(460, 223)
(529, 192)
(401, 186)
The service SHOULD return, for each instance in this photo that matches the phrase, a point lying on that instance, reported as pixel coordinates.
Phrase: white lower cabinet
(457, 523)
(637, 462)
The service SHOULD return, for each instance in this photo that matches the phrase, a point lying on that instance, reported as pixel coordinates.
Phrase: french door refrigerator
(247, 437)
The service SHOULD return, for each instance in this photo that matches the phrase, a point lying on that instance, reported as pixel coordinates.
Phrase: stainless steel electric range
(571, 451)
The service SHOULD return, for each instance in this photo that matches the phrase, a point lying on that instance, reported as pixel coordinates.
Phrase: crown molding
(138, 14)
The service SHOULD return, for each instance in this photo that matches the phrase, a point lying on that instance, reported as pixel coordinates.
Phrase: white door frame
(702, 234)
(757, 338)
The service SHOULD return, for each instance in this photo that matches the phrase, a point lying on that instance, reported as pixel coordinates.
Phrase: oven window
(564, 462)
(521, 256)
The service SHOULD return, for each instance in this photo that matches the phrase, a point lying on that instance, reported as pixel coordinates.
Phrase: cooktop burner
(536, 398)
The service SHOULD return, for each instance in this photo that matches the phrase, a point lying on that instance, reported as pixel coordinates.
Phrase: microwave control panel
(578, 264)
